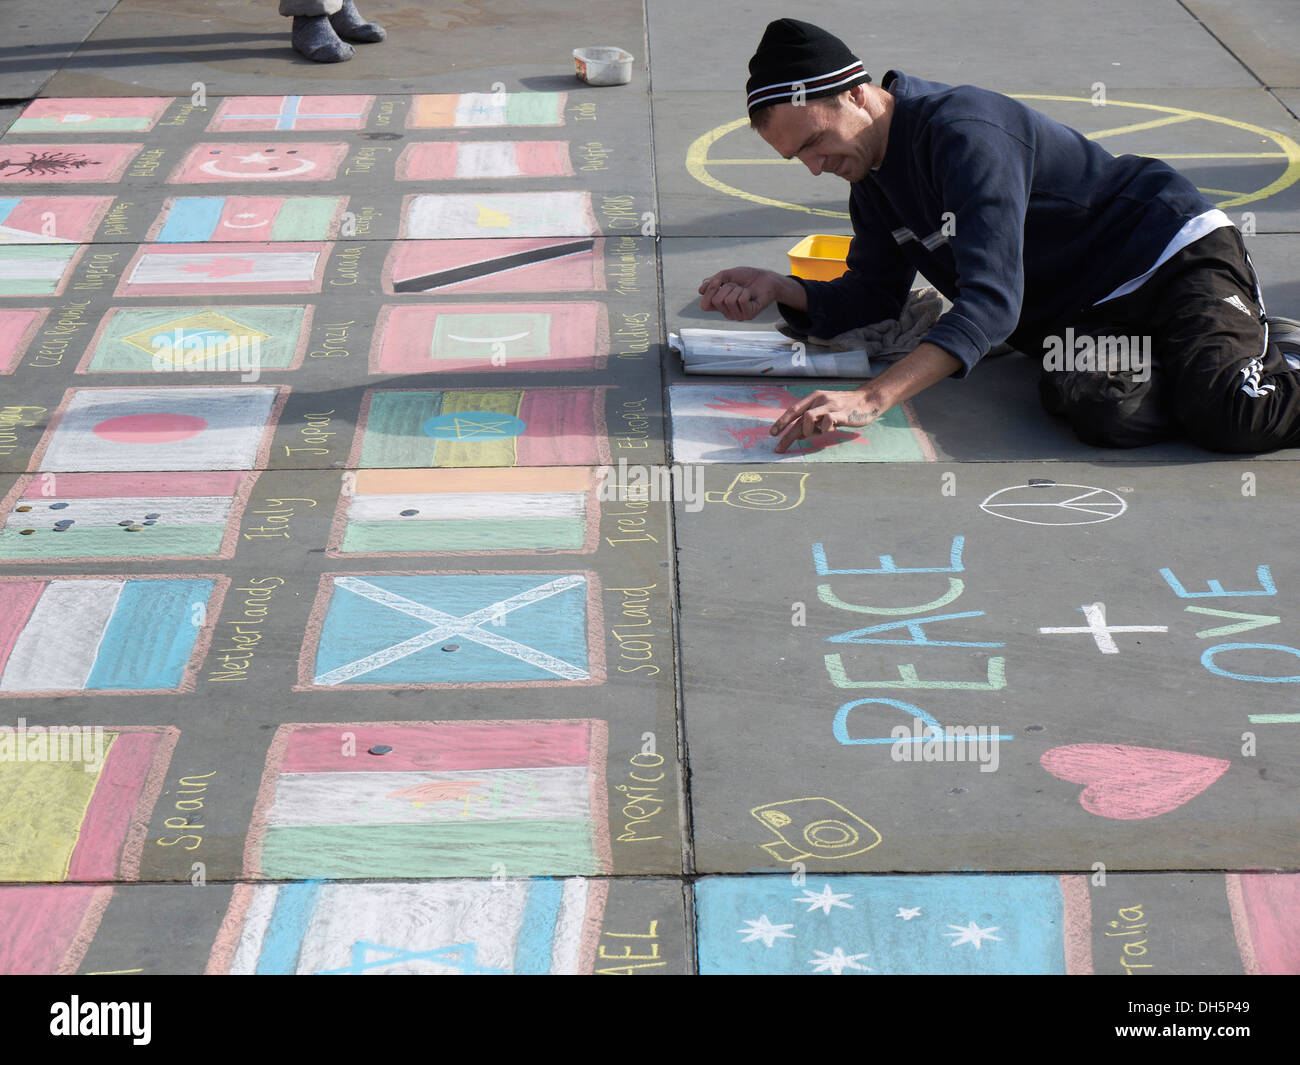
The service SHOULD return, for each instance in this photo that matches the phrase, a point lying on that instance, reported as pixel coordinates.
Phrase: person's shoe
(1285, 333)
(314, 37)
(349, 25)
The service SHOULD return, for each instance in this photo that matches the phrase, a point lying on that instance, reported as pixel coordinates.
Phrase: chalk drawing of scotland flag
(858, 925)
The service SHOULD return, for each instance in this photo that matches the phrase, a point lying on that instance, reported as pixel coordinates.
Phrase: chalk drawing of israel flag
(523, 927)
(432, 799)
(423, 630)
(857, 925)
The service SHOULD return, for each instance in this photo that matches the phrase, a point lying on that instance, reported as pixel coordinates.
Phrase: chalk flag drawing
(504, 214)
(78, 517)
(1132, 783)
(461, 160)
(170, 428)
(224, 269)
(495, 265)
(63, 116)
(105, 635)
(471, 109)
(74, 820)
(523, 927)
(481, 427)
(164, 339)
(46, 929)
(17, 328)
(36, 164)
(1264, 908)
(37, 269)
(730, 423)
(260, 161)
(192, 219)
(814, 828)
(894, 925)
(51, 219)
(450, 799)
(238, 114)
(373, 631)
(490, 337)
(1049, 503)
(522, 509)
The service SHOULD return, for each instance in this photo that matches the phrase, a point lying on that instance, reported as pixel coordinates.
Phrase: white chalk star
(837, 961)
(764, 930)
(824, 900)
(972, 934)
(908, 914)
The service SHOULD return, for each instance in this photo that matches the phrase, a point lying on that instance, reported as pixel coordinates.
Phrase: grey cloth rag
(310, 8)
(887, 341)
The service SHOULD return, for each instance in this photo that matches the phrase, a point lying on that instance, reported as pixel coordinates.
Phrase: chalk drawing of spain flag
(454, 927)
(435, 799)
(104, 635)
(454, 630)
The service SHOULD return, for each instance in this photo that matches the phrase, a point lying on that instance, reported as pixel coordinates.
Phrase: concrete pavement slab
(1263, 34)
(39, 39)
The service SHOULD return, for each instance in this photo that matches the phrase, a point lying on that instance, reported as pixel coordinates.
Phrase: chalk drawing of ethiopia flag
(76, 818)
(856, 925)
(481, 427)
(104, 635)
(99, 115)
(83, 516)
(459, 630)
(523, 927)
(36, 270)
(190, 219)
(448, 799)
(51, 219)
(467, 512)
(459, 110)
(505, 214)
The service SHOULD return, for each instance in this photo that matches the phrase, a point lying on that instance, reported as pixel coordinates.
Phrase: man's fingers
(793, 413)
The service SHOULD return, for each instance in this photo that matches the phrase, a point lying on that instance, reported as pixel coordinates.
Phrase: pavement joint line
(1219, 41)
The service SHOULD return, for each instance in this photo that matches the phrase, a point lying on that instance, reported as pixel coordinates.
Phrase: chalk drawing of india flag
(466, 109)
(399, 800)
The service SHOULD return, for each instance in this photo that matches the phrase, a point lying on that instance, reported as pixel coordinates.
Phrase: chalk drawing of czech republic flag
(104, 635)
(73, 818)
(420, 429)
(223, 269)
(445, 799)
(378, 631)
(452, 927)
(192, 219)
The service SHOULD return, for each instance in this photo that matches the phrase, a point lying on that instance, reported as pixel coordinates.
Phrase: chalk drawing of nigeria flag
(37, 269)
(474, 927)
(397, 800)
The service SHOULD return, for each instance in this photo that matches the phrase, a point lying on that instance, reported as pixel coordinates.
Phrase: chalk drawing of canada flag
(224, 269)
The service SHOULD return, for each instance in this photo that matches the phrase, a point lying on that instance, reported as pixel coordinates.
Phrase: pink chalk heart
(1132, 783)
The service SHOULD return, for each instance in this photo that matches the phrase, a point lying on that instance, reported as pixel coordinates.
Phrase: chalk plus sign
(1101, 632)
(288, 115)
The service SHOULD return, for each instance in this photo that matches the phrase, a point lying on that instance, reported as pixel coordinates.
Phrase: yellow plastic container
(820, 257)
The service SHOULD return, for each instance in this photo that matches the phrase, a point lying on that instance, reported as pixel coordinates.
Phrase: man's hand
(823, 412)
(743, 292)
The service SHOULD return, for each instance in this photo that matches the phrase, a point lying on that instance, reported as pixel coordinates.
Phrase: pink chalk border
(1077, 933)
(598, 283)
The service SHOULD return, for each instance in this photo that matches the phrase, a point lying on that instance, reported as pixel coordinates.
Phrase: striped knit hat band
(798, 61)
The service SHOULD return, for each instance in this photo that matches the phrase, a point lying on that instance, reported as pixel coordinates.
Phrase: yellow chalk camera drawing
(773, 490)
(814, 828)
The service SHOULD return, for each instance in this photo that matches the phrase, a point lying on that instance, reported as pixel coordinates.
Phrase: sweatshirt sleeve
(874, 289)
(983, 174)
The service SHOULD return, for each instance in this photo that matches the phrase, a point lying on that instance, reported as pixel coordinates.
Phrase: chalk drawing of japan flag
(223, 269)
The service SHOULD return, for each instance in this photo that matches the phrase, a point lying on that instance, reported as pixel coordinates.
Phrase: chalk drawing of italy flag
(472, 927)
(437, 799)
(104, 635)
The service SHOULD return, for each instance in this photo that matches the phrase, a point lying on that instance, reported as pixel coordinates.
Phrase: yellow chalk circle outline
(697, 155)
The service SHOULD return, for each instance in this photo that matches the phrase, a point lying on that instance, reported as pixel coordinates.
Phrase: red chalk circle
(162, 428)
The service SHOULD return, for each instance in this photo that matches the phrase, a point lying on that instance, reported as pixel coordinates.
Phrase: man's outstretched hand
(742, 292)
(823, 412)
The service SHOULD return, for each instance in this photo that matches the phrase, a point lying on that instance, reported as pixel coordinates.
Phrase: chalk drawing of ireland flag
(523, 927)
(438, 799)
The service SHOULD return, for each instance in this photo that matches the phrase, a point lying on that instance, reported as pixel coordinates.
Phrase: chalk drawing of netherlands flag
(520, 927)
(71, 818)
(471, 109)
(192, 219)
(104, 635)
(441, 799)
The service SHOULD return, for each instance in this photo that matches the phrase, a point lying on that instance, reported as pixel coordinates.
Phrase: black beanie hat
(799, 58)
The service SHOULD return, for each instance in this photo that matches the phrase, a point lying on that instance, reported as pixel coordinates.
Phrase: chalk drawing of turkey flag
(223, 269)
(260, 161)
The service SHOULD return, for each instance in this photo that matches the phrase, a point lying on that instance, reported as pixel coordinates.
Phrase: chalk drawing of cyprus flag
(505, 214)
(471, 927)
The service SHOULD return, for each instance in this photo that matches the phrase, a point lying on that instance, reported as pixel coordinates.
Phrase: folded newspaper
(858, 353)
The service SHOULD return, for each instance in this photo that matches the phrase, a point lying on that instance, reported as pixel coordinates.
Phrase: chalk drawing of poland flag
(137, 429)
(454, 927)
(224, 269)
(448, 799)
(104, 635)
(451, 160)
(283, 161)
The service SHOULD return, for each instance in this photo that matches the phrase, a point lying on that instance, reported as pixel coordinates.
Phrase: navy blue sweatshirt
(1021, 222)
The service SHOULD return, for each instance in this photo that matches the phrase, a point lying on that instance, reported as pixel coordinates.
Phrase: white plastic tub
(603, 66)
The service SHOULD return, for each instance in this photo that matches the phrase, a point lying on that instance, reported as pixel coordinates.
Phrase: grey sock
(314, 37)
(349, 24)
